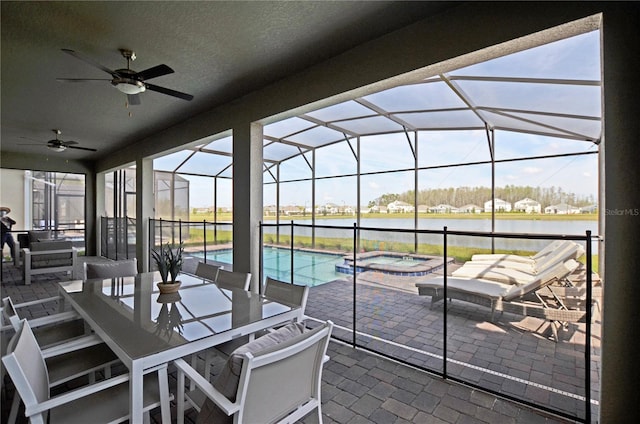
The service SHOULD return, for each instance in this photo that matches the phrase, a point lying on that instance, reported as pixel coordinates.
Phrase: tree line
(461, 196)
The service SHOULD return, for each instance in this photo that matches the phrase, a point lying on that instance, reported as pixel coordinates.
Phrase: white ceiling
(219, 50)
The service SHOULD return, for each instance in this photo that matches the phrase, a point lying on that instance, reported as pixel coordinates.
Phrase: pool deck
(361, 387)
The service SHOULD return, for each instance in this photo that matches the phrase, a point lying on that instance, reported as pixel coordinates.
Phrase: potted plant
(169, 263)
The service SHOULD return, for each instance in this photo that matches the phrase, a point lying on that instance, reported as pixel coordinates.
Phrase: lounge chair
(523, 300)
(513, 272)
(497, 257)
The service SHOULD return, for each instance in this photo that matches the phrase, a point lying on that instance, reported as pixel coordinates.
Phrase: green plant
(168, 260)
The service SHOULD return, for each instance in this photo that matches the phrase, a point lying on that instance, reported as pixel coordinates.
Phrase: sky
(574, 58)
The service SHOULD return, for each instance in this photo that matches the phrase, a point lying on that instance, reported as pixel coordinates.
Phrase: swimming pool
(311, 268)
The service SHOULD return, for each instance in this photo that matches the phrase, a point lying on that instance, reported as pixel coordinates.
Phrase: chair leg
(180, 395)
(15, 405)
(165, 407)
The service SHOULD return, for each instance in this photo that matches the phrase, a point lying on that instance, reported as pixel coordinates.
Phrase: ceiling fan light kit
(129, 86)
(56, 148)
(127, 80)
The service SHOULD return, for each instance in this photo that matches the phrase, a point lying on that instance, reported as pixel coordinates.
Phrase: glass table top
(141, 321)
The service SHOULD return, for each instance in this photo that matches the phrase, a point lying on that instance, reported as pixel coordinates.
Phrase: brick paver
(359, 387)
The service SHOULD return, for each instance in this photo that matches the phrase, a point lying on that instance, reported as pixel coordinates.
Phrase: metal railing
(442, 355)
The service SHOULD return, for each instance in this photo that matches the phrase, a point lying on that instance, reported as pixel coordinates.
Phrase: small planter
(169, 263)
(169, 287)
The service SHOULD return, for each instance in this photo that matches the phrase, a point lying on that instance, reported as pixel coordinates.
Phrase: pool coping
(420, 269)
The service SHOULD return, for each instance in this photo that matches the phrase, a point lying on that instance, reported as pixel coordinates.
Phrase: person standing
(7, 223)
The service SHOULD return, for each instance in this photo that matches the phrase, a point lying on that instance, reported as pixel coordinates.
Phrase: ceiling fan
(127, 80)
(58, 145)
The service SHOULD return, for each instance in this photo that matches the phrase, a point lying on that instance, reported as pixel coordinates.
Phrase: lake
(559, 227)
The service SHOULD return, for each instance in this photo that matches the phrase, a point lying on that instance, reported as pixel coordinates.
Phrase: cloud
(532, 170)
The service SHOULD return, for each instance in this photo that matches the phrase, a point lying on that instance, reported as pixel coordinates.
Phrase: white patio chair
(287, 293)
(105, 401)
(207, 271)
(245, 391)
(49, 330)
(68, 362)
(233, 279)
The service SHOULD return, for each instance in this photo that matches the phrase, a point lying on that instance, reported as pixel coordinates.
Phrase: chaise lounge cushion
(484, 288)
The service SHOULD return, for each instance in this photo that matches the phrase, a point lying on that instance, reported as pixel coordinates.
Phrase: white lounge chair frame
(509, 298)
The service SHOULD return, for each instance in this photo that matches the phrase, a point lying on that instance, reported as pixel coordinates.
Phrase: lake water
(560, 227)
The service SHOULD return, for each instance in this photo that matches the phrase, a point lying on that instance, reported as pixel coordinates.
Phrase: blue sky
(574, 58)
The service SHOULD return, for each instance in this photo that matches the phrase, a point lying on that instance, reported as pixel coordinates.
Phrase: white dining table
(147, 330)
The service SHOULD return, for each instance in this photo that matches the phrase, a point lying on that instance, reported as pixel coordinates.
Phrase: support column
(247, 199)
(620, 331)
(145, 209)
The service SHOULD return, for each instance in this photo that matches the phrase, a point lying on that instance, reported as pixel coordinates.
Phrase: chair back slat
(288, 293)
(296, 366)
(27, 368)
(207, 271)
(9, 314)
(233, 279)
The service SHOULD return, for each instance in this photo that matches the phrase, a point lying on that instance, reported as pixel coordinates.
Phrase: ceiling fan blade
(81, 148)
(133, 99)
(90, 61)
(156, 71)
(169, 92)
(31, 139)
(81, 79)
(68, 143)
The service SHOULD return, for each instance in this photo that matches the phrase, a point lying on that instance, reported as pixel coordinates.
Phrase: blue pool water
(311, 268)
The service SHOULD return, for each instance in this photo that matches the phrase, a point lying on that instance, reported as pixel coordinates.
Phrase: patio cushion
(50, 260)
(122, 268)
(228, 380)
(485, 288)
(35, 236)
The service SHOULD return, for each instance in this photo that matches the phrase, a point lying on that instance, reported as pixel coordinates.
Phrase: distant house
(470, 208)
(399, 206)
(501, 206)
(527, 205)
(562, 209)
(589, 209)
(443, 208)
(270, 210)
(327, 209)
(202, 210)
(290, 210)
(423, 208)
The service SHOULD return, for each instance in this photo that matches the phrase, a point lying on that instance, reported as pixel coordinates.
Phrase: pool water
(310, 268)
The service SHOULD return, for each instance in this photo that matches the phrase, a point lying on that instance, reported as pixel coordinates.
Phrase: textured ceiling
(219, 51)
